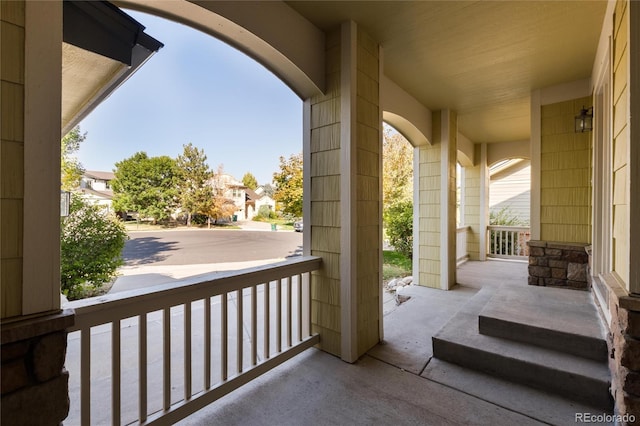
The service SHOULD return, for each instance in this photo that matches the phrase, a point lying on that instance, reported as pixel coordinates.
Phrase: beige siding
(325, 202)
(565, 188)
(368, 151)
(472, 210)
(620, 216)
(11, 155)
(433, 203)
(329, 199)
(511, 189)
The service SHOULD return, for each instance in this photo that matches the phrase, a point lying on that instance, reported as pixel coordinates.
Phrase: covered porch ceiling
(480, 58)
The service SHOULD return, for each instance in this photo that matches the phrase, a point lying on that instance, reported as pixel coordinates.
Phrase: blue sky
(196, 89)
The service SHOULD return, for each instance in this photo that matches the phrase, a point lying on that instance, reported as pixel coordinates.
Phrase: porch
(397, 382)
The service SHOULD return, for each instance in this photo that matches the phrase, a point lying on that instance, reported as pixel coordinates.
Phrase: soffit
(480, 58)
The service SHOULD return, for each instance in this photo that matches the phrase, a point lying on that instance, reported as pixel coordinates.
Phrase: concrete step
(558, 319)
(567, 375)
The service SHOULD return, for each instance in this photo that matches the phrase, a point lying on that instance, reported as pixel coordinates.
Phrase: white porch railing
(157, 355)
(508, 242)
(461, 244)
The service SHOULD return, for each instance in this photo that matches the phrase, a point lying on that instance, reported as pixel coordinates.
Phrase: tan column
(436, 205)
(342, 149)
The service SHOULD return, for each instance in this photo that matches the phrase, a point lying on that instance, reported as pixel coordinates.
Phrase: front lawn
(395, 265)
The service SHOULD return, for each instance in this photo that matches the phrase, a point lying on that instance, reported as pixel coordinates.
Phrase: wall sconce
(584, 121)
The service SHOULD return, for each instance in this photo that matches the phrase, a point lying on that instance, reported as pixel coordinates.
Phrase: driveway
(159, 257)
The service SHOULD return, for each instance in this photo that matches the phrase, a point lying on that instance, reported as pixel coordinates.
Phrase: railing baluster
(207, 342)
(289, 311)
(142, 367)
(115, 372)
(254, 325)
(224, 332)
(187, 350)
(85, 376)
(239, 331)
(279, 315)
(166, 357)
(309, 301)
(300, 308)
(267, 323)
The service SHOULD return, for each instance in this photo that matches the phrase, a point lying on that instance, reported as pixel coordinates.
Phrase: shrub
(91, 244)
(399, 226)
(265, 213)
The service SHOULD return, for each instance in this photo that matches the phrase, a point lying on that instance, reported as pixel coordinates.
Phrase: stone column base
(555, 264)
(35, 387)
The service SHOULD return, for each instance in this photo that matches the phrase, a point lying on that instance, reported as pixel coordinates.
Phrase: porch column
(435, 206)
(34, 382)
(343, 196)
(476, 202)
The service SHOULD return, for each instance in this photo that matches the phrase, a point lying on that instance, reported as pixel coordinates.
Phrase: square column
(342, 204)
(435, 206)
(476, 205)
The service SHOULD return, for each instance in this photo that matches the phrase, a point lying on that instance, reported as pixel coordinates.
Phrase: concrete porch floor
(398, 382)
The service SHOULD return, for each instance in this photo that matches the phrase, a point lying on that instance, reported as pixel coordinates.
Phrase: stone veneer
(624, 346)
(554, 264)
(34, 381)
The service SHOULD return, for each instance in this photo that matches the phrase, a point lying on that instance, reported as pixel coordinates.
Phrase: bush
(265, 213)
(91, 244)
(399, 225)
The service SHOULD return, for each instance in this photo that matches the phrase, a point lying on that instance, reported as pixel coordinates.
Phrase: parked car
(297, 226)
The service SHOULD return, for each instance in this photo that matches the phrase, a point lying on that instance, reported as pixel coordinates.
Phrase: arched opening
(193, 85)
(398, 215)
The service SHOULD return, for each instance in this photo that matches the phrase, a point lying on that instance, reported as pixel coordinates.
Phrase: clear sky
(196, 89)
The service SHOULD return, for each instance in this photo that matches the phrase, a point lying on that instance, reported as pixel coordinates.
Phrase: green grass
(395, 265)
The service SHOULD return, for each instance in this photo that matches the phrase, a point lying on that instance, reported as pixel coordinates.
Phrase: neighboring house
(95, 187)
(510, 188)
(233, 190)
(255, 200)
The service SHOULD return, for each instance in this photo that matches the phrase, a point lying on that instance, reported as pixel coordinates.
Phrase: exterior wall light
(584, 121)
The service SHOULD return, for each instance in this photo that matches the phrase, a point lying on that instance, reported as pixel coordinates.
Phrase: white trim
(42, 104)
(416, 214)
(602, 181)
(348, 232)
(306, 176)
(602, 58)
(633, 177)
(536, 162)
(483, 214)
(380, 193)
(445, 140)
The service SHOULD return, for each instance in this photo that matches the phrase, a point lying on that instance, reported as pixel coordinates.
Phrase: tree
(193, 181)
(397, 169)
(145, 185)
(220, 207)
(250, 181)
(91, 244)
(71, 169)
(399, 227)
(288, 183)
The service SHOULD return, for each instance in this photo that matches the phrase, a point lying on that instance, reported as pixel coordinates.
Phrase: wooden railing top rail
(508, 228)
(103, 309)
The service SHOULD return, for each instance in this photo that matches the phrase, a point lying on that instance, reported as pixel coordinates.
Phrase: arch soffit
(405, 113)
(507, 151)
(262, 30)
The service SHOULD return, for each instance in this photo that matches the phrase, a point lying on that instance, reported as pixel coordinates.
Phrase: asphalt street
(204, 246)
(160, 257)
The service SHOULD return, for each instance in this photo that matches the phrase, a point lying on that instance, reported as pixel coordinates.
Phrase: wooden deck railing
(136, 350)
(508, 242)
(461, 244)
